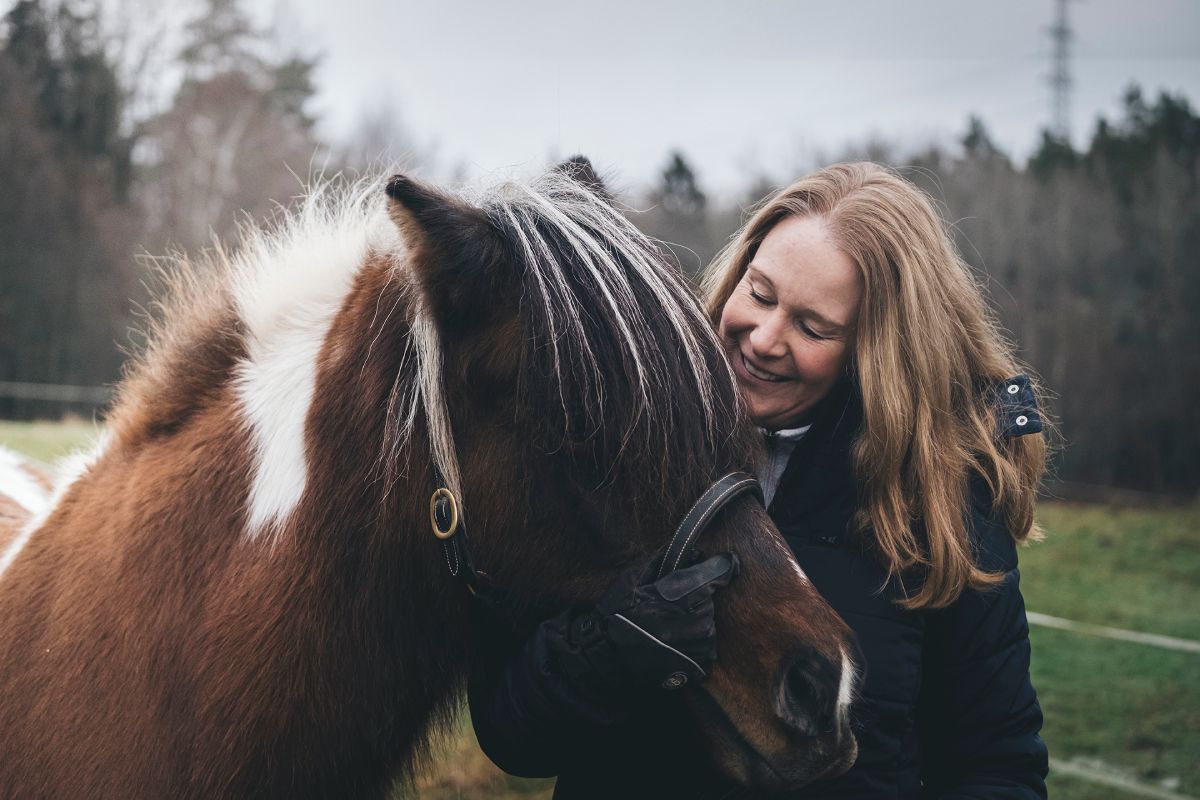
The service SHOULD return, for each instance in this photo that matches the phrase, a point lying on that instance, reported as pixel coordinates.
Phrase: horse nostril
(808, 694)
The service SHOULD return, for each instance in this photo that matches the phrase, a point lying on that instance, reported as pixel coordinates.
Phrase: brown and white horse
(238, 594)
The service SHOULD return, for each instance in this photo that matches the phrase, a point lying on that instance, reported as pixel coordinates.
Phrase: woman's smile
(759, 373)
(787, 326)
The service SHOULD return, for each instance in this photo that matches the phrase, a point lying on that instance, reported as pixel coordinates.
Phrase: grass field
(1129, 710)
(47, 441)
(1133, 707)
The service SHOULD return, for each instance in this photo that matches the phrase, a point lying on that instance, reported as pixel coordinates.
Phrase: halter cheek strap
(448, 527)
(719, 495)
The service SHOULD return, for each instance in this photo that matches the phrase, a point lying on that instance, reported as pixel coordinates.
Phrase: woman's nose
(766, 340)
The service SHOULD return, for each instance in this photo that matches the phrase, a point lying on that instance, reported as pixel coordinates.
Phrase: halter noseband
(448, 527)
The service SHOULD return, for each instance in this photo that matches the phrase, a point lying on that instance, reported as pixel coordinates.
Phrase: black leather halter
(448, 526)
(447, 523)
(702, 512)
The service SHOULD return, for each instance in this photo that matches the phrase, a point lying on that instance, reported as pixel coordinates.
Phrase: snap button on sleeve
(1016, 407)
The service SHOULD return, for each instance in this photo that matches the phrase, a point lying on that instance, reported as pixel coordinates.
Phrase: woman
(893, 413)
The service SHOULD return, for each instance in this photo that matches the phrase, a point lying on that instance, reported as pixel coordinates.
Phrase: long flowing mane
(256, 321)
(616, 351)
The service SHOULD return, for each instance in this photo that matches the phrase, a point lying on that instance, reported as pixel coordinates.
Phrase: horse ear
(579, 168)
(456, 251)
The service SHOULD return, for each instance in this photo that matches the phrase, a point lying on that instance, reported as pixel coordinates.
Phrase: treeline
(1092, 259)
(94, 177)
(1089, 255)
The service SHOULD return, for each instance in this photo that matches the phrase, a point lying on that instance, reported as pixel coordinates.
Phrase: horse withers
(238, 593)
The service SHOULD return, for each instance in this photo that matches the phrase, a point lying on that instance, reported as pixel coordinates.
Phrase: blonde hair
(927, 356)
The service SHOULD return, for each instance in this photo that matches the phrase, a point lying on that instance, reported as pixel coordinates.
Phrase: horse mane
(210, 310)
(618, 355)
(618, 358)
(247, 327)
(617, 351)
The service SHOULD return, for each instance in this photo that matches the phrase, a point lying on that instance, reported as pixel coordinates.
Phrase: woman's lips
(758, 373)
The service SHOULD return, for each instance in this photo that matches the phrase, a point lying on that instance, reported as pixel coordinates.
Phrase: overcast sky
(740, 87)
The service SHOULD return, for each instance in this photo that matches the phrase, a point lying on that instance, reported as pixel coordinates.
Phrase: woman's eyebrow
(758, 273)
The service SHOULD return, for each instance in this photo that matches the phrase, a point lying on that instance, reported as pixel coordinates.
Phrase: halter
(446, 520)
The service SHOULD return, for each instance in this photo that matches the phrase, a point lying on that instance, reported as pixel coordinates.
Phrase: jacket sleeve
(528, 718)
(979, 714)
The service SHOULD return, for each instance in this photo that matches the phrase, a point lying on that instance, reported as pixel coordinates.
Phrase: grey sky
(740, 87)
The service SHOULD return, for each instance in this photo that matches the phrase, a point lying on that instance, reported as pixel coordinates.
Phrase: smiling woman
(908, 474)
(787, 327)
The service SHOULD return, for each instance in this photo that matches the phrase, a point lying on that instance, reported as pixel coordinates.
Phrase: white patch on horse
(845, 687)
(18, 485)
(67, 472)
(289, 284)
(789, 556)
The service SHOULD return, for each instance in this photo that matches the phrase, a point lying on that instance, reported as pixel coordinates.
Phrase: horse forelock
(604, 304)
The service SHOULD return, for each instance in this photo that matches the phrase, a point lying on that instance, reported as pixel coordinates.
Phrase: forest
(1089, 254)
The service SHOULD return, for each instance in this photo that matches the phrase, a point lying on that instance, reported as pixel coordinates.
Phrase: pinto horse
(239, 595)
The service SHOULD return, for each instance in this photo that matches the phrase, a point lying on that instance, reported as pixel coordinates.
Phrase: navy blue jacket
(946, 710)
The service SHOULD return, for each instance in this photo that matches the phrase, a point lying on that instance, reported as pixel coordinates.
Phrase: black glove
(643, 634)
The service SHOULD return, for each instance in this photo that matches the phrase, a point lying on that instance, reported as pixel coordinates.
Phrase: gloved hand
(643, 634)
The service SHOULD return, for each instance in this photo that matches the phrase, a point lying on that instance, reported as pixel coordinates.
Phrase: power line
(1060, 73)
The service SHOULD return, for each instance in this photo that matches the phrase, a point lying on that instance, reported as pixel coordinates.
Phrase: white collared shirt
(779, 447)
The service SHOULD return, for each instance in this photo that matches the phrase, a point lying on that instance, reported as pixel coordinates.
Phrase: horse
(237, 594)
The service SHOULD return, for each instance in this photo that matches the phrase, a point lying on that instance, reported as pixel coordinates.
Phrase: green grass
(47, 441)
(1125, 568)
(1133, 707)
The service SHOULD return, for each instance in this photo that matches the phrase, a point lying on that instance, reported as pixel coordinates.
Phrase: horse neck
(397, 626)
(327, 629)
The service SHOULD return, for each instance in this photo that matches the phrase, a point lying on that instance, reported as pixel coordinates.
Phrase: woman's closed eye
(809, 332)
(760, 298)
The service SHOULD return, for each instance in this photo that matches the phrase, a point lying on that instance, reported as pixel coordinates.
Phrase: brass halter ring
(452, 528)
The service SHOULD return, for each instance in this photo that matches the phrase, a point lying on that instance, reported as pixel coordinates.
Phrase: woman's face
(789, 324)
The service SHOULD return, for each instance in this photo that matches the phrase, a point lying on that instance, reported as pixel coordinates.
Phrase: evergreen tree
(65, 227)
(1052, 154)
(679, 215)
(678, 191)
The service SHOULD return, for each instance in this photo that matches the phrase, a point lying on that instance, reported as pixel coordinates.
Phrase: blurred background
(1059, 137)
